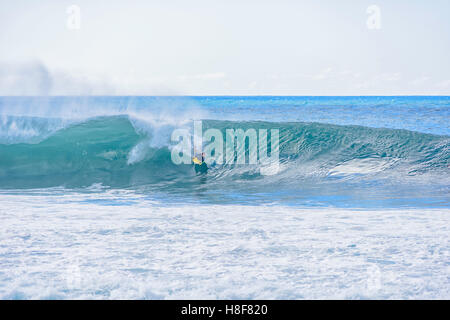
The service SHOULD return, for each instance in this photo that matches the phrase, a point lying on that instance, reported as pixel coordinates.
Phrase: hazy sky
(196, 47)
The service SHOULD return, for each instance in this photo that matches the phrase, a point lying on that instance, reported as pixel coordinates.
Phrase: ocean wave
(127, 151)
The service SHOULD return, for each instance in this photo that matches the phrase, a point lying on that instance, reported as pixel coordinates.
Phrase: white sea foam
(362, 166)
(31, 120)
(116, 245)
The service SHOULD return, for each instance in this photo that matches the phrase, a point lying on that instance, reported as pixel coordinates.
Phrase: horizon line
(219, 95)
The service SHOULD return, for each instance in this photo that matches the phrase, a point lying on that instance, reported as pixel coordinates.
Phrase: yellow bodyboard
(196, 161)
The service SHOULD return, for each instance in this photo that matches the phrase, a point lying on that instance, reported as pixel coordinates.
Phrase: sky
(196, 47)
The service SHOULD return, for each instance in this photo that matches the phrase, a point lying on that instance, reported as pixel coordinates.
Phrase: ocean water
(91, 205)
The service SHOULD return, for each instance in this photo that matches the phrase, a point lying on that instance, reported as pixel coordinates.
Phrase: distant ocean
(91, 205)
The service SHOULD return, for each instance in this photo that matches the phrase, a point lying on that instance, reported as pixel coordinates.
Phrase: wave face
(121, 151)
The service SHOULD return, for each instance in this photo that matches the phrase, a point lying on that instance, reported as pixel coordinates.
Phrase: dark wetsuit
(201, 168)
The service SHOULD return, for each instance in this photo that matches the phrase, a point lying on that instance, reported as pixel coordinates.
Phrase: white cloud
(420, 81)
(443, 84)
(30, 78)
(203, 76)
(324, 74)
(379, 80)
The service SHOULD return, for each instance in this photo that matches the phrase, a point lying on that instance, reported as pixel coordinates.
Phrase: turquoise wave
(99, 150)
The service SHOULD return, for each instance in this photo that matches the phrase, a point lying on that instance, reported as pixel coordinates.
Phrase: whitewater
(91, 205)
